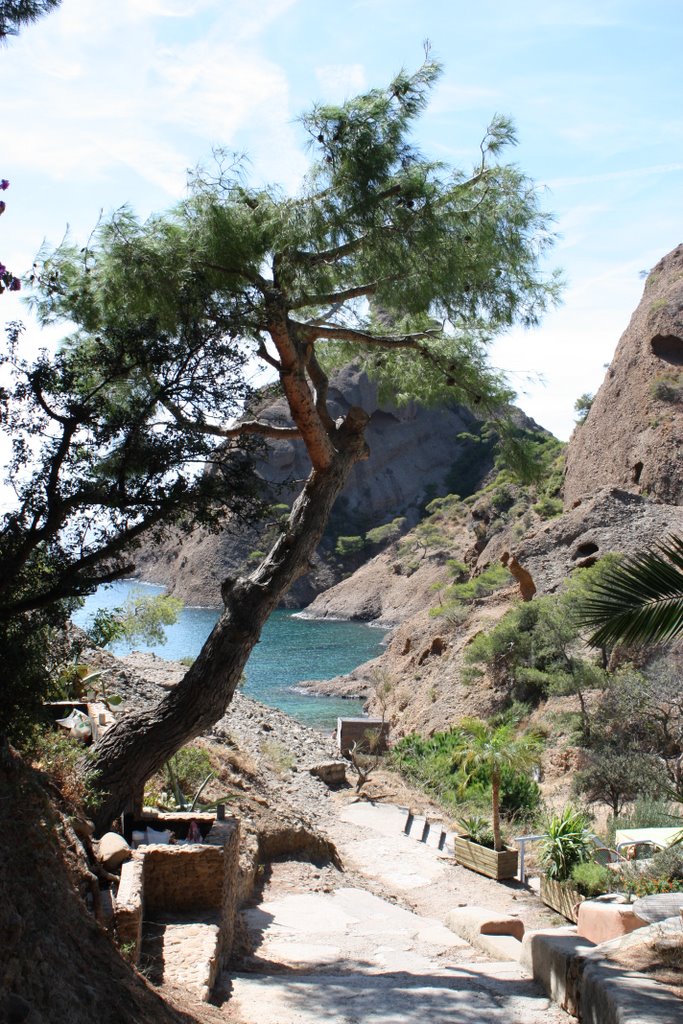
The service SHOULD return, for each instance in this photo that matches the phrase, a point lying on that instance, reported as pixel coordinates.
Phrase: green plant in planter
(478, 830)
(567, 843)
(592, 879)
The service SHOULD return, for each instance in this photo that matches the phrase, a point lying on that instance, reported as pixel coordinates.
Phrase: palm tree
(639, 600)
(492, 748)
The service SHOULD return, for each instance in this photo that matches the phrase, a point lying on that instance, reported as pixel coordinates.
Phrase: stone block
(435, 835)
(332, 773)
(419, 828)
(128, 906)
(600, 921)
(469, 921)
(367, 733)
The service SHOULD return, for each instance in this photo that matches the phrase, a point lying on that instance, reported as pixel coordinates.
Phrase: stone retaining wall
(177, 878)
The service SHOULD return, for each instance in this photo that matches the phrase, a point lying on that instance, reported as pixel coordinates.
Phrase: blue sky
(108, 103)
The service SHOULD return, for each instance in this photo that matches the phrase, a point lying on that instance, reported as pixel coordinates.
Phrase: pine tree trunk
(140, 743)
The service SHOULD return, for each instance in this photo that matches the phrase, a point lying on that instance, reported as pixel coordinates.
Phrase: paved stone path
(358, 955)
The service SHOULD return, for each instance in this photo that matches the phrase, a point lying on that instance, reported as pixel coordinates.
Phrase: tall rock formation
(415, 454)
(632, 437)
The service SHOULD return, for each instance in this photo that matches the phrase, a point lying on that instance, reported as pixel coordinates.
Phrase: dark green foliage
(349, 546)
(640, 601)
(668, 863)
(533, 650)
(34, 648)
(388, 532)
(493, 578)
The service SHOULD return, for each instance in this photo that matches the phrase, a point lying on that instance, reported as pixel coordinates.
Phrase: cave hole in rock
(668, 347)
(636, 471)
(584, 550)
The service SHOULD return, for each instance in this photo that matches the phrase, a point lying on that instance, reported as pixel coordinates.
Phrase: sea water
(291, 650)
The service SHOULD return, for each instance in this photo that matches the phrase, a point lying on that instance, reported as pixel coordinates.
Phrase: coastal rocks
(632, 437)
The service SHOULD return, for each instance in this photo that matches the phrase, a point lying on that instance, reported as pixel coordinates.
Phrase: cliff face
(633, 435)
(414, 455)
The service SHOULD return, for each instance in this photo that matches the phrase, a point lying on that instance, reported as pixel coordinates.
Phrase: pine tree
(449, 257)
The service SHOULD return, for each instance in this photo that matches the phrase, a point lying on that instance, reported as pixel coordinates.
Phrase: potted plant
(492, 748)
(566, 844)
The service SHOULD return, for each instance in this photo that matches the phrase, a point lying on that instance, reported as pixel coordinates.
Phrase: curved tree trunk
(140, 743)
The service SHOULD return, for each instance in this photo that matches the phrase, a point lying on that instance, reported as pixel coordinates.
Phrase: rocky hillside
(633, 434)
(623, 492)
(416, 454)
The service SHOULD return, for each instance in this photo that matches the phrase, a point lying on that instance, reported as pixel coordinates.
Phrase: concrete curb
(578, 977)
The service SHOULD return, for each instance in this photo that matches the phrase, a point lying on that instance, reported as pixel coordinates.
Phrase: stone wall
(179, 878)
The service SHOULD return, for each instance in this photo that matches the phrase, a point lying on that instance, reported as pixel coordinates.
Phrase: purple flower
(4, 184)
(3, 206)
(3, 269)
(15, 285)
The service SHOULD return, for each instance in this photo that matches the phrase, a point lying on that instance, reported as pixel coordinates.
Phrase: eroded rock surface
(633, 435)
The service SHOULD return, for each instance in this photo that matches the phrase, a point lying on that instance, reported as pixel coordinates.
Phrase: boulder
(112, 851)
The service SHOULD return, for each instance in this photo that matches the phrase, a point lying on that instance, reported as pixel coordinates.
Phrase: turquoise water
(291, 649)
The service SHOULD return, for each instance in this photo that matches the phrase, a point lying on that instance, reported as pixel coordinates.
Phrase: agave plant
(640, 600)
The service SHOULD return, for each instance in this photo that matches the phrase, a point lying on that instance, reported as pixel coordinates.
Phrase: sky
(112, 103)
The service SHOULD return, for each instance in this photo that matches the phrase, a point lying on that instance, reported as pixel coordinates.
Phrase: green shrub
(645, 813)
(386, 533)
(592, 879)
(668, 388)
(668, 864)
(548, 508)
(346, 546)
(190, 766)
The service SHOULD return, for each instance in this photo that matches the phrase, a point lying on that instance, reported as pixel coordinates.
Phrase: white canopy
(661, 836)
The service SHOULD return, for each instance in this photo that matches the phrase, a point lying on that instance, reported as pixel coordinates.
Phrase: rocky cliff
(633, 435)
(415, 454)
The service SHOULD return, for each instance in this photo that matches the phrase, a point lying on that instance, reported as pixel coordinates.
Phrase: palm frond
(639, 601)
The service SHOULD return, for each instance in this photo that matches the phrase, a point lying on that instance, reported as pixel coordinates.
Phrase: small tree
(494, 748)
(614, 776)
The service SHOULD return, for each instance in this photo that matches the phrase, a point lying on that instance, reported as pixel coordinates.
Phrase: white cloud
(341, 80)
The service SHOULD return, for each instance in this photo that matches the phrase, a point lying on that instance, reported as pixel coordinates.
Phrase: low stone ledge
(128, 906)
(556, 959)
